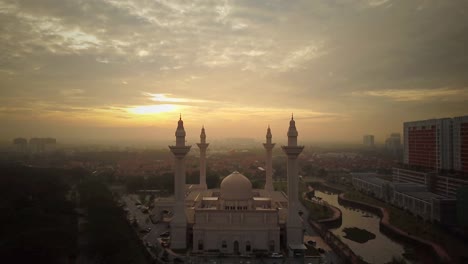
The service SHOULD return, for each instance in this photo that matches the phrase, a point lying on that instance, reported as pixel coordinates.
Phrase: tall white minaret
(269, 171)
(293, 225)
(203, 146)
(179, 220)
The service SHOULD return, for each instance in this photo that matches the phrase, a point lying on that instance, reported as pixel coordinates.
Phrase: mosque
(235, 219)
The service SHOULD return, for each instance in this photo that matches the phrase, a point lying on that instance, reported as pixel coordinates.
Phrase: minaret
(203, 146)
(269, 172)
(293, 225)
(179, 220)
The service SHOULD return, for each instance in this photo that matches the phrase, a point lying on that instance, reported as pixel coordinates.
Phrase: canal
(381, 249)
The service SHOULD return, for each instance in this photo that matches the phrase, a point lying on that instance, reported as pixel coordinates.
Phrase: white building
(234, 219)
(368, 140)
(409, 196)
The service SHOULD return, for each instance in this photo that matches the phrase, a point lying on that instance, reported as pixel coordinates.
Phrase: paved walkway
(310, 234)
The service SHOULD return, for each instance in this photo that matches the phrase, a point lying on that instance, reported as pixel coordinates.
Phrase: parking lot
(151, 238)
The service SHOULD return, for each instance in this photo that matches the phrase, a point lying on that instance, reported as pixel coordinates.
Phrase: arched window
(200, 244)
(224, 244)
(271, 246)
(236, 247)
(247, 246)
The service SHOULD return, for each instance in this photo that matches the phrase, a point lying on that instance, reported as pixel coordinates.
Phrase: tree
(212, 179)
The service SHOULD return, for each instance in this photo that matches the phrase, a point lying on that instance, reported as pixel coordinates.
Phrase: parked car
(276, 255)
(165, 234)
(320, 250)
(311, 243)
(144, 230)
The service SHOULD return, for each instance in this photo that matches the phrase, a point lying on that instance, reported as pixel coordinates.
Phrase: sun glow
(153, 109)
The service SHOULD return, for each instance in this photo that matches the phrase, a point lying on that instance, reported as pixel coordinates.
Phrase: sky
(126, 69)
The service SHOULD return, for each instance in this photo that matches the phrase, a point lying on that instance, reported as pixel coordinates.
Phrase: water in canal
(378, 250)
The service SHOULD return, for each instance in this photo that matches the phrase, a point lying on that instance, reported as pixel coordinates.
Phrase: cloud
(166, 98)
(72, 92)
(281, 55)
(444, 94)
(374, 3)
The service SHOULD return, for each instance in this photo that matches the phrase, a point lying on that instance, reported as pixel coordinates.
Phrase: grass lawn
(316, 211)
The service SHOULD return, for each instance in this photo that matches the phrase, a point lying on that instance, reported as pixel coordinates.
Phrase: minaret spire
(268, 161)
(292, 150)
(203, 146)
(179, 221)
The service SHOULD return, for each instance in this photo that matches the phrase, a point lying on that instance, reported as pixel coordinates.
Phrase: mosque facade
(235, 219)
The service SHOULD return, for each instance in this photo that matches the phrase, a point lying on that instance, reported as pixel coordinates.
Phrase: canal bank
(438, 253)
(382, 249)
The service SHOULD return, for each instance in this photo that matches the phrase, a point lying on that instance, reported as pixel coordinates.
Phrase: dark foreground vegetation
(38, 223)
(39, 220)
(110, 237)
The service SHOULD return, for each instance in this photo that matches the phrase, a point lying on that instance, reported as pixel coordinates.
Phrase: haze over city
(126, 69)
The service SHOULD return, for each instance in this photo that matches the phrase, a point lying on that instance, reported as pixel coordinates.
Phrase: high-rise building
(368, 140)
(41, 145)
(436, 151)
(460, 144)
(20, 144)
(393, 142)
(428, 144)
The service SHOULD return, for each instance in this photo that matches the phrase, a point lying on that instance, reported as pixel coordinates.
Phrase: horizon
(124, 70)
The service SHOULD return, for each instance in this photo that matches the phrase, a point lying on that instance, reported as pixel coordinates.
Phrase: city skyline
(116, 70)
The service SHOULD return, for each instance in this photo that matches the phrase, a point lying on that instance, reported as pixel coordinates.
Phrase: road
(310, 234)
(145, 222)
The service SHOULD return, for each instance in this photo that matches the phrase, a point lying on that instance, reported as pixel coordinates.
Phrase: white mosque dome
(236, 186)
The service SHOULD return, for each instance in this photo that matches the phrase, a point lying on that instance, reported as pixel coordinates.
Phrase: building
(428, 144)
(435, 154)
(42, 145)
(460, 144)
(20, 145)
(439, 184)
(462, 207)
(393, 142)
(234, 219)
(413, 197)
(437, 144)
(368, 183)
(368, 140)
(410, 175)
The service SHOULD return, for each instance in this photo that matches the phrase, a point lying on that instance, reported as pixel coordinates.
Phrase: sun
(153, 109)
